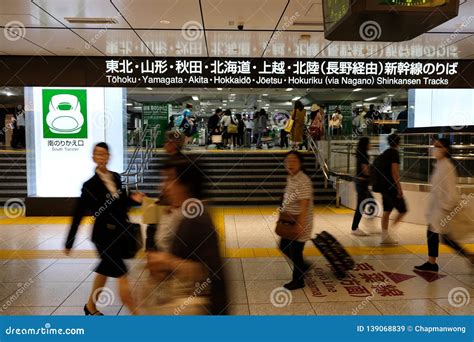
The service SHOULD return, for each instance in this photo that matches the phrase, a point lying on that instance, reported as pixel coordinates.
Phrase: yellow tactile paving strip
(218, 214)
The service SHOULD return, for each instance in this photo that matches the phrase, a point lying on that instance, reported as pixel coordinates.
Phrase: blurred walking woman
(103, 195)
(299, 116)
(364, 197)
(442, 202)
(194, 253)
(297, 201)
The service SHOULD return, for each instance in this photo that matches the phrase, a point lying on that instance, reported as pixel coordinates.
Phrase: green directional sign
(64, 113)
(156, 114)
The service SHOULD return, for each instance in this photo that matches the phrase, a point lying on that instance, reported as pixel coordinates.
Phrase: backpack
(179, 121)
(376, 169)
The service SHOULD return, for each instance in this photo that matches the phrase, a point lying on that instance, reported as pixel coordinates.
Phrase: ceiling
(271, 28)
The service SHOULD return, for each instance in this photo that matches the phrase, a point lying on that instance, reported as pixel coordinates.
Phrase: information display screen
(334, 10)
(441, 108)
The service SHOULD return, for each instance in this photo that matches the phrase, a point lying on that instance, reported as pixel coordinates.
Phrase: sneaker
(359, 232)
(388, 240)
(294, 285)
(427, 267)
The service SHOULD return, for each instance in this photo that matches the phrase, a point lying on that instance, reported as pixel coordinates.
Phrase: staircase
(241, 178)
(12, 176)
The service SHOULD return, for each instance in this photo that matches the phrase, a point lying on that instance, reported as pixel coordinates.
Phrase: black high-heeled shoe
(88, 313)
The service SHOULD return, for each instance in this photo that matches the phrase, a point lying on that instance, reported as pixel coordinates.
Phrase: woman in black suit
(103, 195)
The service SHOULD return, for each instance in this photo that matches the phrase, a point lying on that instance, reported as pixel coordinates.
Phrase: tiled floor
(37, 279)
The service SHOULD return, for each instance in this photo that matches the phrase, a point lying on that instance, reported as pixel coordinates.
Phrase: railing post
(338, 200)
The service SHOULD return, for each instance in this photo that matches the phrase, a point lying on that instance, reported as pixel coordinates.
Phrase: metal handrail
(141, 134)
(144, 150)
(348, 148)
(317, 153)
(323, 166)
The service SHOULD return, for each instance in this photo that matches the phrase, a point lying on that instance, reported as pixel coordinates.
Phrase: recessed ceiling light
(232, 94)
(219, 88)
(264, 94)
(91, 20)
(370, 98)
(359, 105)
(259, 100)
(165, 22)
(357, 89)
(129, 104)
(195, 98)
(148, 88)
(391, 95)
(289, 89)
(8, 93)
(295, 98)
(224, 100)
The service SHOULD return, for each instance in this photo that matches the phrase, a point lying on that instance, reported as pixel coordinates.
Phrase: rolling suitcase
(335, 253)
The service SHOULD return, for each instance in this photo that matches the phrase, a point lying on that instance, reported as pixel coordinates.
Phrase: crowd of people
(186, 247)
(227, 130)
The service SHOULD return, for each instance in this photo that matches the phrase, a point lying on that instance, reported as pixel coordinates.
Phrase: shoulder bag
(287, 226)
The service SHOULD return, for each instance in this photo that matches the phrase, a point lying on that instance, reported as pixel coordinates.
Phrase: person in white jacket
(443, 200)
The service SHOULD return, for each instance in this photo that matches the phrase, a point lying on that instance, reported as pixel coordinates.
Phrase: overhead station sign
(279, 72)
(235, 72)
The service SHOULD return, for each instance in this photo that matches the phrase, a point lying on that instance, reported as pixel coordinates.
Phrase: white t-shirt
(169, 223)
(299, 187)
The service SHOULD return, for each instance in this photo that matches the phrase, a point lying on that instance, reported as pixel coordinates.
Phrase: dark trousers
(433, 244)
(363, 193)
(240, 138)
(294, 250)
(150, 244)
(283, 138)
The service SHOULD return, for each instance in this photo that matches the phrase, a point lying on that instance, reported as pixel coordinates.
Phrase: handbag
(232, 128)
(132, 240)
(286, 226)
(152, 210)
(289, 125)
